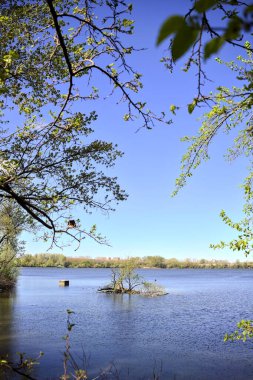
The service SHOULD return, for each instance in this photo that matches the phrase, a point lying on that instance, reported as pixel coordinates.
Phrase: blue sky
(150, 222)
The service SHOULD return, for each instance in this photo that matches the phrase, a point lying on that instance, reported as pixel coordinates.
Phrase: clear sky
(150, 222)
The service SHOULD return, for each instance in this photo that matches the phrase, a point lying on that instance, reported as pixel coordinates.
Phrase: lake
(177, 336)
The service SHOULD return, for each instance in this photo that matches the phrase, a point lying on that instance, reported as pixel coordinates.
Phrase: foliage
(151, 289)
(54, 169)
(12, 222)
(43, 260)
(48, 46)
(244, 332)
(52, 55)
(26, 365)
(69, 360)
(61, 261)
(125, 279)
(195, 30)
(228, 109)
(23, 367)
(155, 261)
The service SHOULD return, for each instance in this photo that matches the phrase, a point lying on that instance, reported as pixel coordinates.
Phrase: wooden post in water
(64, 283)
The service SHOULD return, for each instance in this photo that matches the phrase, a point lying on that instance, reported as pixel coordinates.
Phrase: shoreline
(56, 260)
(145, 268)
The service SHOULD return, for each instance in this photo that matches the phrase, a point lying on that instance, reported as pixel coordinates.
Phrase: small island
(126, 281)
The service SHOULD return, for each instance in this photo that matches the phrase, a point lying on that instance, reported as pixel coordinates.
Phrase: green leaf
(183, 40)
(203, 5)
(233, 28)
(127, 22)
(70, 311)
(248, 9)
(170, 26)
(173, 109)
(213, 46)
(70, 326)
(191, 107)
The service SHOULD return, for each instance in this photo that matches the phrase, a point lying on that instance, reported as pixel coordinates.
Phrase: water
(178, 336)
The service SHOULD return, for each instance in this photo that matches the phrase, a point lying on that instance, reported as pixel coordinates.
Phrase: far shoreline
(146, 268)
(56, 260)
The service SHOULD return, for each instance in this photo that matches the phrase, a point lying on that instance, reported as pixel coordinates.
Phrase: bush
(152, 289)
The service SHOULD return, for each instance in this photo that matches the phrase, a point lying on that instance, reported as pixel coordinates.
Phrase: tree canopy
(49, 54)
(196, 36)
(206, 27)
(12, 222)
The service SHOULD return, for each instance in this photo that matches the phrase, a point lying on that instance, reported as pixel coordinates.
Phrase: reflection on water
(125, 302)
(7, 301)
(182, 333)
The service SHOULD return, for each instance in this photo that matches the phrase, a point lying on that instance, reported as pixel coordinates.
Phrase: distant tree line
(61, 261)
